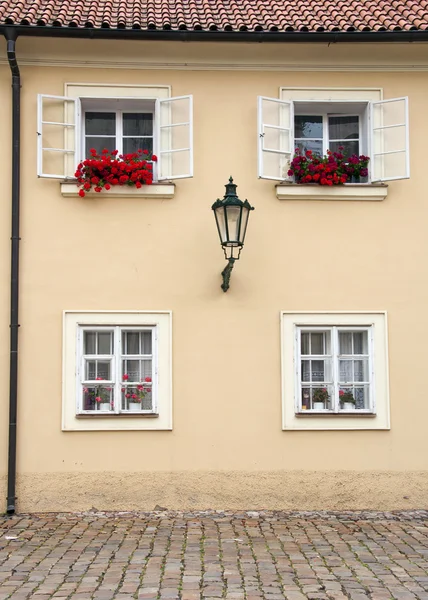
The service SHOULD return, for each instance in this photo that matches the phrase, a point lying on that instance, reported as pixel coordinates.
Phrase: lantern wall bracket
(226, 273)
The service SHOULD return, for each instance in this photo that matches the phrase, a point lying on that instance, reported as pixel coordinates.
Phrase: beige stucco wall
(227, 448)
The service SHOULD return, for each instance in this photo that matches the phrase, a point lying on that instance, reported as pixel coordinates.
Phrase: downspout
(11, 37)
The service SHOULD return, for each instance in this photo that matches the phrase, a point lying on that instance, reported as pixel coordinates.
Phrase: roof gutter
(217, 36)
(11, 36)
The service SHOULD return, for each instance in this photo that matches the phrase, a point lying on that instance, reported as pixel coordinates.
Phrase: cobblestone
(207, 555)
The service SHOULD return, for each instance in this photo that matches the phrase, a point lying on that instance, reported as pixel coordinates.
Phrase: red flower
(98, 398)
(154, 158)
(148, 379)
(81, 193)
(138, 184)
(145, 151)
(87, 185)
(107, 186)
(125, 377)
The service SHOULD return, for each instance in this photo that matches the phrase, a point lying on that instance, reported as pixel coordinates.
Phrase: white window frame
(295, 420)
(160, 417)
(335, 357)
(116, 368)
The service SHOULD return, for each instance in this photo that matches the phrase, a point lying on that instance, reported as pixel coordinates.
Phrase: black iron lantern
(231, 215)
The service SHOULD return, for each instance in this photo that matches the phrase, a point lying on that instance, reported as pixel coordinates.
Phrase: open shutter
(175, 137)
(57, 133)
(390, 139)
(276, 137)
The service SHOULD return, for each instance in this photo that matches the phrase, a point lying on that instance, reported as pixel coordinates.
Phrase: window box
(357, 191)
(117, 371)
(156, 190)
(334, 371)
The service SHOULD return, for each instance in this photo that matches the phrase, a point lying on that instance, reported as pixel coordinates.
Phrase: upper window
(68, 127)
(378, 129)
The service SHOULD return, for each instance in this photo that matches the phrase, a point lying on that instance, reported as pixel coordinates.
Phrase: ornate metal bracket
(226, 274)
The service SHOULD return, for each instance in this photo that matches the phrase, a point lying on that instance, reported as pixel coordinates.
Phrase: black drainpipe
(14, 279)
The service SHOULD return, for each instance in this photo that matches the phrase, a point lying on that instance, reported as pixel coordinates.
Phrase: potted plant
(347, 399)
(98, 396)
(107, 169)
(333, 169)
(134, 394)
(320, 397)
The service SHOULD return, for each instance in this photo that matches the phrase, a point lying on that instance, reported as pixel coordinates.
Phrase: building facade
(141, 382)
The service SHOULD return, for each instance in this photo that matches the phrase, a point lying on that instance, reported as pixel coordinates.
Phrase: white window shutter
(276, 137)
(389, 140)
(58, 136)
(175, 137)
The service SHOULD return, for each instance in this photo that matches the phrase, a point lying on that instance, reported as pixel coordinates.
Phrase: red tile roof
(221, 15)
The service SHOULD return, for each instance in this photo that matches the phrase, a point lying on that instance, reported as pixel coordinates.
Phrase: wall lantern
(231, 215)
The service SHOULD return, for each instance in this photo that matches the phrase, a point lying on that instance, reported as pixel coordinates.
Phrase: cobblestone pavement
(204, 555)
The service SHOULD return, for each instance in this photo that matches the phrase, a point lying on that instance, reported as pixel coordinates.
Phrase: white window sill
(348, 191)
(156, 190)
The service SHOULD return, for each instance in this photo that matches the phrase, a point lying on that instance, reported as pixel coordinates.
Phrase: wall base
(187, 490)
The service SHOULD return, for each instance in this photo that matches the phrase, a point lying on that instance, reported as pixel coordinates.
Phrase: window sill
(342, 413)
(100, 414)
(156, 190)
(348, 191)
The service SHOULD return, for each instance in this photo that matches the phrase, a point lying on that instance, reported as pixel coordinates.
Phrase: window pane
(97, 368)
(345, 371)
(99, 143)
(307, 127)
(361, 370)
(137, 124)
(304, 343)
(103, 369)
(100, 123)
(317, 369)
(105, 343)
(343, 128)
(314, 145)
(349, 148)
(317, 343)
(146, 369)
(132, 369)
(362, 396)
(89, 342)
(137, 398)
(133, 144)
(345, 342)
(146, 342)
(360, 342)
(306, 370)
(131, 342)
(97, 398)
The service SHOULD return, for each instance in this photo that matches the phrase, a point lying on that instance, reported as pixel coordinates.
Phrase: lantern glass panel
(221, 224)
(244, 222)
(233, 223)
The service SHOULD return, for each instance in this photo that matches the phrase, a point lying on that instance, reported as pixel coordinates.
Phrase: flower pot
(134, 406)
(348, 406)
(104, 405)
(318, 406)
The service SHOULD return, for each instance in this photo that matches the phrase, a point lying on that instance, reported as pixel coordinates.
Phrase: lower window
(117, 371)
(334, 369)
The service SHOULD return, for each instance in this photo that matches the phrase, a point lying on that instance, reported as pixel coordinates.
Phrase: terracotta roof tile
(221, 15)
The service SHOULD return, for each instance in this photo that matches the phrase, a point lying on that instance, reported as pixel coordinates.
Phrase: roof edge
(218, 36)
